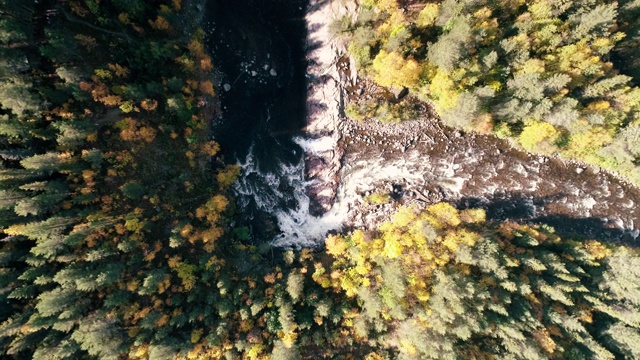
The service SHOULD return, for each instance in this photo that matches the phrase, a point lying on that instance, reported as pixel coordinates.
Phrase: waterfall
(280, 191)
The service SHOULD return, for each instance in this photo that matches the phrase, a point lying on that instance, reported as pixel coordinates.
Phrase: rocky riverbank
(420, 162)
(325, 103)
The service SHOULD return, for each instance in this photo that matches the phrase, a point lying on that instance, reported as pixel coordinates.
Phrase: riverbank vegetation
(119, 237)
(555, 77)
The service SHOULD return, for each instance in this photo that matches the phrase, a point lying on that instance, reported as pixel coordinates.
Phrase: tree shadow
(522, 208)
(314, 106)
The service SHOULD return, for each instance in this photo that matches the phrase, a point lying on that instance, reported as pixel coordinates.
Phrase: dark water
(258, 47)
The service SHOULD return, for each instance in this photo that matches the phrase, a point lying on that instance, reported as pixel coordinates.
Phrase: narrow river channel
(258, 47)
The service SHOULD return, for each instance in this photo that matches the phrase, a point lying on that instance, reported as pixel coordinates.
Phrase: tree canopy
(514, 66)
(120, 238)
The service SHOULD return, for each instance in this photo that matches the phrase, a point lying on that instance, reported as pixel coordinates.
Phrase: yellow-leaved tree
(442, 91)
(428, 15)
(395, 265)
(391, 69)
(539, 136)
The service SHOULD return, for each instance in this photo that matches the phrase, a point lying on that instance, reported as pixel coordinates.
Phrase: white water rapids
(269, 190)
(476, 170)
(426, 161)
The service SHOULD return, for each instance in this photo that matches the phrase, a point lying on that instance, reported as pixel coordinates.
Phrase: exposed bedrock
(324, 104)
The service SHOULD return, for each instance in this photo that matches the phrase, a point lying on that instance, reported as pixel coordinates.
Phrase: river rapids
(262, 52)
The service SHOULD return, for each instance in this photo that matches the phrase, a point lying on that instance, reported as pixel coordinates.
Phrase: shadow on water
(523, 208)
(259, 48)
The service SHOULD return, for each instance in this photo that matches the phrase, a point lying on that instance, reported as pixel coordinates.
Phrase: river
(421, 162)
(259, 49)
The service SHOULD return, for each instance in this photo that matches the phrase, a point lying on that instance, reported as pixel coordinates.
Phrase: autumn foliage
(556, 77)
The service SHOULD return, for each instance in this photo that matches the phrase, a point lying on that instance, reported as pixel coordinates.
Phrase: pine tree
(450, 48)
(626, 339)
(16, 95)
(593, 22)
(100, 336)
(295, 286)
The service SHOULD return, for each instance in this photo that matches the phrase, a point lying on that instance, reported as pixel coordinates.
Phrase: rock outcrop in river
(323, 155)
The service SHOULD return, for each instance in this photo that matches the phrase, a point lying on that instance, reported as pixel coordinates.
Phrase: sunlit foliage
(568, 69)
(443, 283)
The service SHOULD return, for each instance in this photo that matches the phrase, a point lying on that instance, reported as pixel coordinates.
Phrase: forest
(120, 237)
(555, 77)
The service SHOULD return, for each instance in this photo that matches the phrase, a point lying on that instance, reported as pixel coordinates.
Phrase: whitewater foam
(282, 193)
(317, 145)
